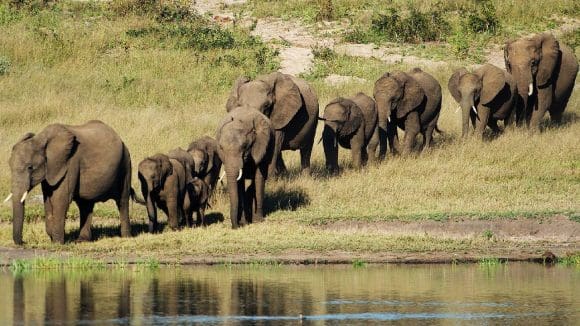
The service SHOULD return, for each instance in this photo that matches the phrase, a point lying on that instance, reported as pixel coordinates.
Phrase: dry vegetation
(160, 90)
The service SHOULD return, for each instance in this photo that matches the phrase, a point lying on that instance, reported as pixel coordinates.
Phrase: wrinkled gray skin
(352, 123)
(85, 164)
(488, 89)
(164, 185)
(545, 71)
(245, 145)
(199, 201)
(207, 163)
(411, 101)
(292, 107)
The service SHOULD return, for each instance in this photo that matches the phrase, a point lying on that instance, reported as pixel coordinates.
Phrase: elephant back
(369, 111)
(183, 157)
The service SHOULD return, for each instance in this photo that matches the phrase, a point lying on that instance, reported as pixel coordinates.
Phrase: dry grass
(158, 97)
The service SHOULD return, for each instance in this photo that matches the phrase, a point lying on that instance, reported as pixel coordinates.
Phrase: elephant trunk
(467, 106)
(19, 193)
(151, 209)
(330, 143)
(234, 182)
(384, 111)
(525, 84)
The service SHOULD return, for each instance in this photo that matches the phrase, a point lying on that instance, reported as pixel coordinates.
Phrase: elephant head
(342, 118)
(152, 172)
(275, 95)
(396, 95)
(470, 89)
(244, 142)
(37, 158)
(202, 163)
(186, 160)
(532, 62)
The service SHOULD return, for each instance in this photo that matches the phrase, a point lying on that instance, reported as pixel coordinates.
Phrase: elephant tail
(136, 199)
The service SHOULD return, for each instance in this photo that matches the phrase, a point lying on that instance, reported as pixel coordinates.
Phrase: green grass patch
(572, 259)
(491, 262)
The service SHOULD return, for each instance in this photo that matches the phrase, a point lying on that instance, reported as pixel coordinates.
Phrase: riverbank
(274, 242)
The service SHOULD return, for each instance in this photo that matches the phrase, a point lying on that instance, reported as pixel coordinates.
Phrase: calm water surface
(422, 294)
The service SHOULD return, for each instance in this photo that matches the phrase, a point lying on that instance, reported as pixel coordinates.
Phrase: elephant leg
(482, 119)
(278, 140)
(383, 139)
(412, 127)
(372, 146)
(305, 154)
(428, 137)
(556, 116)
(280, 165)
(356, 153)
(123, 205)
(260, 183)
(86, 216)
(60, 200)
(543, 103)
(48, 215)
(173, 213)
(249, 196)
(393, 137)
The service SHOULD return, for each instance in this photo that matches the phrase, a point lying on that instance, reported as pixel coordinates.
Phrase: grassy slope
(74, 67)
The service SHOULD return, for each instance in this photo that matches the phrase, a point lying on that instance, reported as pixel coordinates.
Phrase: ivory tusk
(530, 89)
(8, 198)
(221, 178)
(388, 119)
(457, 110)
(239, 175)
(474, 109)
(24, 197)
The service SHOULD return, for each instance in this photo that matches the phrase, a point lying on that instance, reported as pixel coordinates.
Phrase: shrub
(326, 10)
(4, 66)
(483, 19)
(414, 28)
(31, 5)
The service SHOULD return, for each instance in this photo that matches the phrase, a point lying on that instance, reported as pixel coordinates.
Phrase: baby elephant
(352, 123)
(485, 95)
(198, 191)
(164, 184)
(207, 163)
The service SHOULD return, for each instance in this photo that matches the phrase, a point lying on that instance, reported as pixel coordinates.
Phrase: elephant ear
(210, 153)
(287, 101)
(61, 145)
(233, 99)
(453, 83)
(412, 98)
(263, 134)
(493, 80)
(164, 167)
(354, 117)
(550, 49)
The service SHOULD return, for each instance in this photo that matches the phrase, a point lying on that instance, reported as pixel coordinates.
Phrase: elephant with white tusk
(245, 146)
(86, 164)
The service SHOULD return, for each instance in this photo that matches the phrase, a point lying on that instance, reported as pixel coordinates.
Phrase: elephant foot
(83, 239)
(258, 219)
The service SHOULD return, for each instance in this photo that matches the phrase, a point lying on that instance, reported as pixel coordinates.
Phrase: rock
(296, 60)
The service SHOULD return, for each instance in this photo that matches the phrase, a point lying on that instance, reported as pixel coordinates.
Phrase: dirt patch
(557, 229)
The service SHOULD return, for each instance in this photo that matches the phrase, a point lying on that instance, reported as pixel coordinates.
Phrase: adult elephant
(545, 72)
(207, 163)
(292, 107)
(350, 123)
(164, 183)
(408, 100)
(485, 95)
(86, 164)
(245, 145)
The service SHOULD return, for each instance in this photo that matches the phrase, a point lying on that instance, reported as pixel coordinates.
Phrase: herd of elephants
(90, 163)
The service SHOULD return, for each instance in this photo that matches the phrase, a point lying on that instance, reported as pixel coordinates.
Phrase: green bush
(483, 19)
(415, 27)
(4, 66)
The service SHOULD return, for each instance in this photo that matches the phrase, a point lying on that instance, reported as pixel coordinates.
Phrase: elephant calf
(352, 123)
(485, 95)
(207, 163)
(164, 183)
(199, 194)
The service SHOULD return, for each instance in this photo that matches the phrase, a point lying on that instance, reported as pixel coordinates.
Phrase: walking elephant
(199, 201)
(350, 123)
(545, 71)
(207, 163)
(292, 107)
(485, 96)
(245, 145)
(164, 183)
(86, 164)
(408, 100)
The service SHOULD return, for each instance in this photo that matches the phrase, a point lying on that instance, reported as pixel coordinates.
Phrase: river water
(263, 295)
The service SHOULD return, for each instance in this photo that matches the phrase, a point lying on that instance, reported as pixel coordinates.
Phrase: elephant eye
(29, 167)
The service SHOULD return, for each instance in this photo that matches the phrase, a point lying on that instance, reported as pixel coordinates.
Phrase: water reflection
(521, 293)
